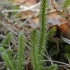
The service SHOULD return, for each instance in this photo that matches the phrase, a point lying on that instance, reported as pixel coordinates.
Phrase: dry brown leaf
(54, 19)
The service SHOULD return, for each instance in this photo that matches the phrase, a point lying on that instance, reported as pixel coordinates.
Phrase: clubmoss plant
(7, 40)
(34, 50)
(43, 25)
(7, 54)
(42, 33)
(38, 39)
(53, 67)
(8, 62)
(50, 33)
(20, 52)
(2, 49)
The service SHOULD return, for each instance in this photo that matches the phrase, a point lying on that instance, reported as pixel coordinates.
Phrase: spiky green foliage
(2, 49)
(8, 62)
(35, 57)
(34, 50)
(38, 39)
(53, 67)
(6, 41)
(20, 52)
(50, 33)
(7, 54)
(66, 4)
(42, 36)
(43, 25)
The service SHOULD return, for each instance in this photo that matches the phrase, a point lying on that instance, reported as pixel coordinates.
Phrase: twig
(26, 21)
(66, 40)
(2, 36)
(3, 23)
(21, 10)
(57, 62)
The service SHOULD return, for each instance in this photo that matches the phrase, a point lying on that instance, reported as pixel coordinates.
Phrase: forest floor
(23, 16)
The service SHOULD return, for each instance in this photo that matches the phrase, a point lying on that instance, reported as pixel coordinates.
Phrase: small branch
(57, 62)
(22, 10)
(8, 28)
